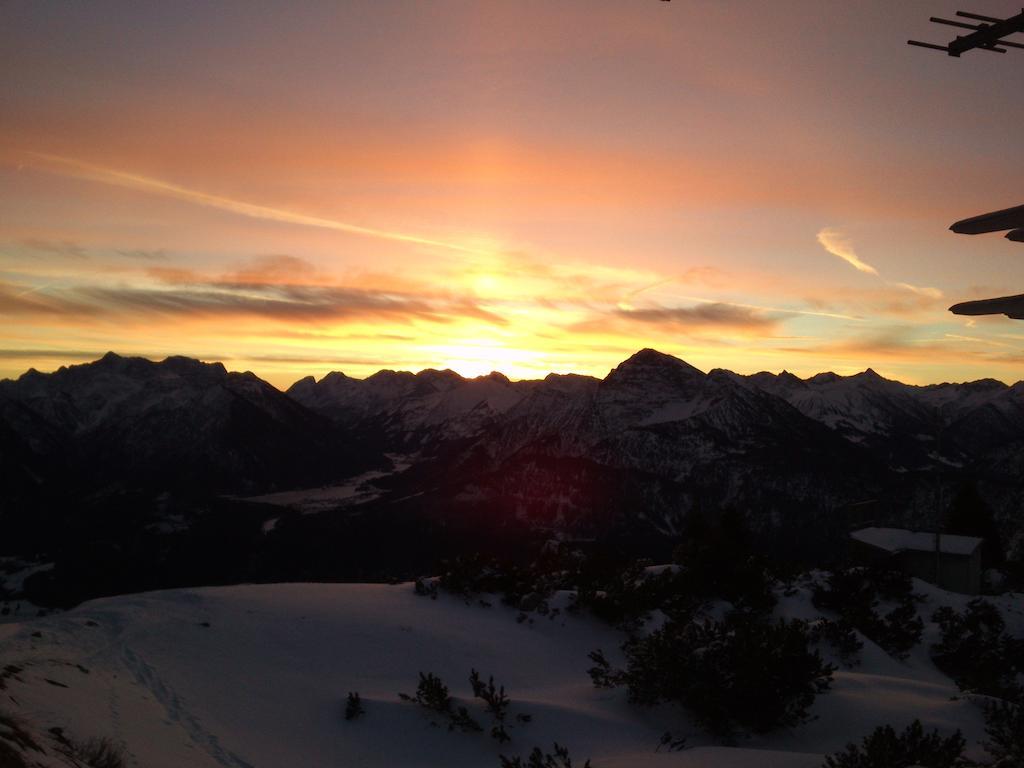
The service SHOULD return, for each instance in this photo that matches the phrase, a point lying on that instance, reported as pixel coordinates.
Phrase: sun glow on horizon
(478, 357)
(524, 187)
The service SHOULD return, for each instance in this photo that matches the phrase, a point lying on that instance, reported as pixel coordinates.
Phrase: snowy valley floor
(258, 676)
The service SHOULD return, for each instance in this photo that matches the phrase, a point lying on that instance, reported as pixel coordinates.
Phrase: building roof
(900, 540)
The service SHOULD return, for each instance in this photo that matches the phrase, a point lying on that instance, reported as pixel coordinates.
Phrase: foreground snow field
(258, 675)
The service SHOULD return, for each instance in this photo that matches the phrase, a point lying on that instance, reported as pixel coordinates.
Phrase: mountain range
(648, 445)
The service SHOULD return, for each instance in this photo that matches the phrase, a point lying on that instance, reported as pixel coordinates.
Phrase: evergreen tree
(970, 515)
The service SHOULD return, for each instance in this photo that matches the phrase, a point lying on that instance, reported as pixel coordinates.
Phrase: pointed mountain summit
(650, 360)
(870, 375)
(648, 380)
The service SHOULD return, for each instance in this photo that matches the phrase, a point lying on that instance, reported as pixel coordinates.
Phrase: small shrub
(432, 695)
(899, 630)
(99, 753)
(885, 749)
(11, 758)
(602, 674)
(496, 701)
(425, 588)
(976, 652)
(559, 758)
(622, 593)
(741, 674)
(469, 575)
(94, 753)
(9, 671)
(13, 731)
(632, 593)
(856, 594)
(353, 706)
(745, 581)
(1004, 725)
(840, 635)
(670, 743)
(461, 719)
(626, 596)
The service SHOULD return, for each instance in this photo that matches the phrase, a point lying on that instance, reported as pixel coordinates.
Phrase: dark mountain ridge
(652, 441)
(180, 424)
(127, 473)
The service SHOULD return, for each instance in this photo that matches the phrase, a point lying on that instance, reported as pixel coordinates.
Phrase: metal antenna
(986, 35)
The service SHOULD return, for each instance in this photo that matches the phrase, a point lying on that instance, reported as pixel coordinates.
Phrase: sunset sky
(521, 185)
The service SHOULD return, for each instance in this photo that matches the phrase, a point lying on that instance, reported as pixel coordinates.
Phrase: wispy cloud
(83, 170)
(56, 247)
(836, 243)
(273, 269)
(269, 301)
(143, 254)
(702, 315)
(18, 300)
(48, 354)
(978, 340)
(930, 293)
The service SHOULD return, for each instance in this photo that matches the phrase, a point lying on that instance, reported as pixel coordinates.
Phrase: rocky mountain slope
(121, 423)
(654, 441)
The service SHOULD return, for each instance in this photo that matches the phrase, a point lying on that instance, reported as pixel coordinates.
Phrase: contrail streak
(79, 169)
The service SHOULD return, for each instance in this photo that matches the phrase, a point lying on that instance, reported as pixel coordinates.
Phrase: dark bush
(425, 588)
(11, 757)
(976, 651)
(670, 743)
(840, 635)
(559, 758)
(99, 753)
(741, 674)
(856, 595)
(496, 701)
(1004, 725)
(525, 586)
(15, 732)
(622, 593)
(353, 706)
(971, 515)
(628, 595)
(472, 574)
(744, 580)
(885, 749)
(432, 695)
(94, 753)
(899, 630)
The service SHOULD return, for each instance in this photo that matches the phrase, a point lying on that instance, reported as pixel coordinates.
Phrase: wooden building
(949, 561)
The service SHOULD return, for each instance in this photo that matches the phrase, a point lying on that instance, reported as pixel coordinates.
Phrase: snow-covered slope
(856, 406)
(904, 422)
(258, 675)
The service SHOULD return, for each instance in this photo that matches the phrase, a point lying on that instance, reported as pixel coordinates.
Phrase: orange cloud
(92, 172)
